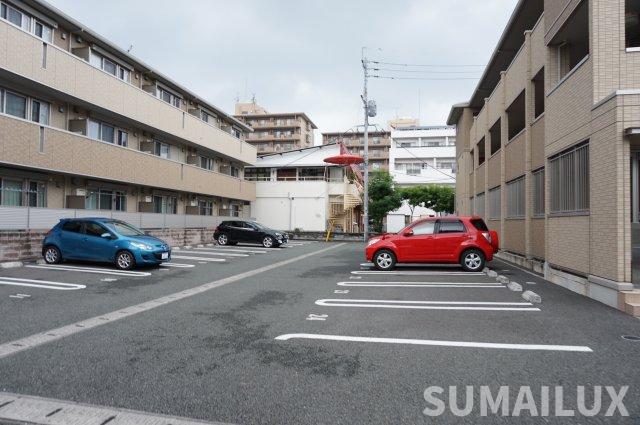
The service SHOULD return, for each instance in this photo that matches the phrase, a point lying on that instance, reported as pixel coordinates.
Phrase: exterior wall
(74, 154)
(20, 54)
(515, 240)
(515, 157)
(292, 205)
(464, 184)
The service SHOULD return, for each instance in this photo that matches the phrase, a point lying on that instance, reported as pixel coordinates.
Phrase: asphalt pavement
(305, 334)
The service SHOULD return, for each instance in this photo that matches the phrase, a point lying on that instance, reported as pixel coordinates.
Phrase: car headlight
(140, 245)
(372, 241)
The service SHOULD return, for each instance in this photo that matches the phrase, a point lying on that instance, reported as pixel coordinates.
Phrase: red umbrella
(344, 159)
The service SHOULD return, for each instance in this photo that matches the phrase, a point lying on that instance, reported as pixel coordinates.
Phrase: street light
(370, 111)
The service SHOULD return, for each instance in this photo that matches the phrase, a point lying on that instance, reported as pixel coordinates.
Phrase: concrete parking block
(514, 286)
(532, 297)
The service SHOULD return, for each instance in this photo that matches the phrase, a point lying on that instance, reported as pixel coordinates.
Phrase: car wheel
(52, 255)
(223, 239)
(268, 242)
(384, 260)
(472, 260)
(125, 260)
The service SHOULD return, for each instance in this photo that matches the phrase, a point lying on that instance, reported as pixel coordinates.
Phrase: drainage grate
(631, 338)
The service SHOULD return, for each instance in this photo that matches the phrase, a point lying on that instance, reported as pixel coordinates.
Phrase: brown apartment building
(87, 129)
(276, 132)
(548, 146)
(379, 145)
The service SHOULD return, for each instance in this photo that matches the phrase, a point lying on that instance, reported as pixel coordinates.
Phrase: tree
(382, 198)
(436, 197)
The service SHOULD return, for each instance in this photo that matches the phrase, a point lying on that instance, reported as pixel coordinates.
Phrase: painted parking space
(417, 273)
(43, 284)
(213, 253)
(199, 259)
(421, 284)
(430, 305)
(241, 251)
(87, 269)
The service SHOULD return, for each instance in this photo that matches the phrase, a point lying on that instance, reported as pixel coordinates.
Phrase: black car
(233, 231)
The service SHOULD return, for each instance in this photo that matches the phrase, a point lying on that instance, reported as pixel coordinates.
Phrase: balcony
(67, 74)
(273, 124)
(69, 153)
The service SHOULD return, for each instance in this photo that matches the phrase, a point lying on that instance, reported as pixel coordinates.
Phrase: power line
(388, 77)
(425, 65)
(422, 72)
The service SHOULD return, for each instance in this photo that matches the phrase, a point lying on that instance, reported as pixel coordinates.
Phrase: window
(101, 199)
(94, 229)
(538, 93)
(72, 226)
(481, 156)
(495, 136)
(569, 180)
(632, 23)
(110, 66)
(40, 112)
(538, 192)
(494, 203)
(235, 210)
(10, 192)
(479, 224)
(424, 228)
(161, 149)
(235, 172)
(434, 142)
(15, 105)
(206, 163)
(36, 194)
(101, 131)
(122, 138)
(43, 31)
(257, 174)
(451, 226)
(443, 163)
(205, 207)
(284, 174)
(15, 17)
(571, 42)
(516, 116)
(168, 96)
(516, 198)
(165, 204)
(311, 173)
(208, 118)
(478, 205)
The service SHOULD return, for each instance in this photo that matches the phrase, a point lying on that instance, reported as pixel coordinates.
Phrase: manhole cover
(631, 338)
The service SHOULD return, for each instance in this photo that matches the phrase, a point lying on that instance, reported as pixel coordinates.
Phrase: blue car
(103, 240)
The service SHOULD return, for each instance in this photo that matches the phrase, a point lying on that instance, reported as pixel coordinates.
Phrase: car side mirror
(408, 232)
(106, 235)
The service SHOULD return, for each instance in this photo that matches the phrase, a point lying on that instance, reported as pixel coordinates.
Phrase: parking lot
(303, 334)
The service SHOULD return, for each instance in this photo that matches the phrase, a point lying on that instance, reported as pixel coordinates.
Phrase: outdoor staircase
(341, 212)
(629, 301)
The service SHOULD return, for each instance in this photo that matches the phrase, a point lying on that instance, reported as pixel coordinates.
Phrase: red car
(463, 240)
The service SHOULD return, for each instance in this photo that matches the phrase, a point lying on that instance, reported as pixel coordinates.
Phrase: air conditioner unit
(80, 192)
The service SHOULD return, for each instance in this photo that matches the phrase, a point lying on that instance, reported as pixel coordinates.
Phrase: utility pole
(365, 102)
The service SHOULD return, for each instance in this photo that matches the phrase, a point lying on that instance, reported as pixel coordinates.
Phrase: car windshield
(124, 229)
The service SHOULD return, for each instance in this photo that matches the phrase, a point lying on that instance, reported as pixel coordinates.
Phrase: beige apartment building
(548, 145)
(87, 129)
(275, 132)
(379, 145)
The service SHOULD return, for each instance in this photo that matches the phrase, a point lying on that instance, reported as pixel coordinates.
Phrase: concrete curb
(11, 264)
(532, 297)
(514, 286)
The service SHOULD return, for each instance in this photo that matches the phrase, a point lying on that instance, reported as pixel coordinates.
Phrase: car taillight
(487, 236)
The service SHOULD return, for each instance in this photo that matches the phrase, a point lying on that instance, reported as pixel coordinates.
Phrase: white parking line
(242, 251)
(45, 284)
(88, 270)
(430, 342)
(12, 347)
(178, 265)
(425, 284)
(201, 259)
(430, 305)
(219, 254)
(419, 273)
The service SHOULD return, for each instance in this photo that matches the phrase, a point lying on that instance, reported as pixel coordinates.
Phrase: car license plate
(164, 255)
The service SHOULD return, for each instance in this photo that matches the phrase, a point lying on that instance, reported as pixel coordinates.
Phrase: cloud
(305, 55)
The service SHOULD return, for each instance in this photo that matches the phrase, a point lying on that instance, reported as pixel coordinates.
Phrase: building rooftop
(305, 157)
(277, 115)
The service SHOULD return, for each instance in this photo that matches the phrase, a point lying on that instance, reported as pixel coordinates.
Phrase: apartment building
(423, 155)
(297, 190)
(379, 144)
(87, 129)
(548, 144)
(276, 132)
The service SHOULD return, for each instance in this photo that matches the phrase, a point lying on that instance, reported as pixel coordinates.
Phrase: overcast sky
(304, 55)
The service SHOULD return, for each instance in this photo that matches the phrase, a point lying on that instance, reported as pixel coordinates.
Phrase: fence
(29, 218)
